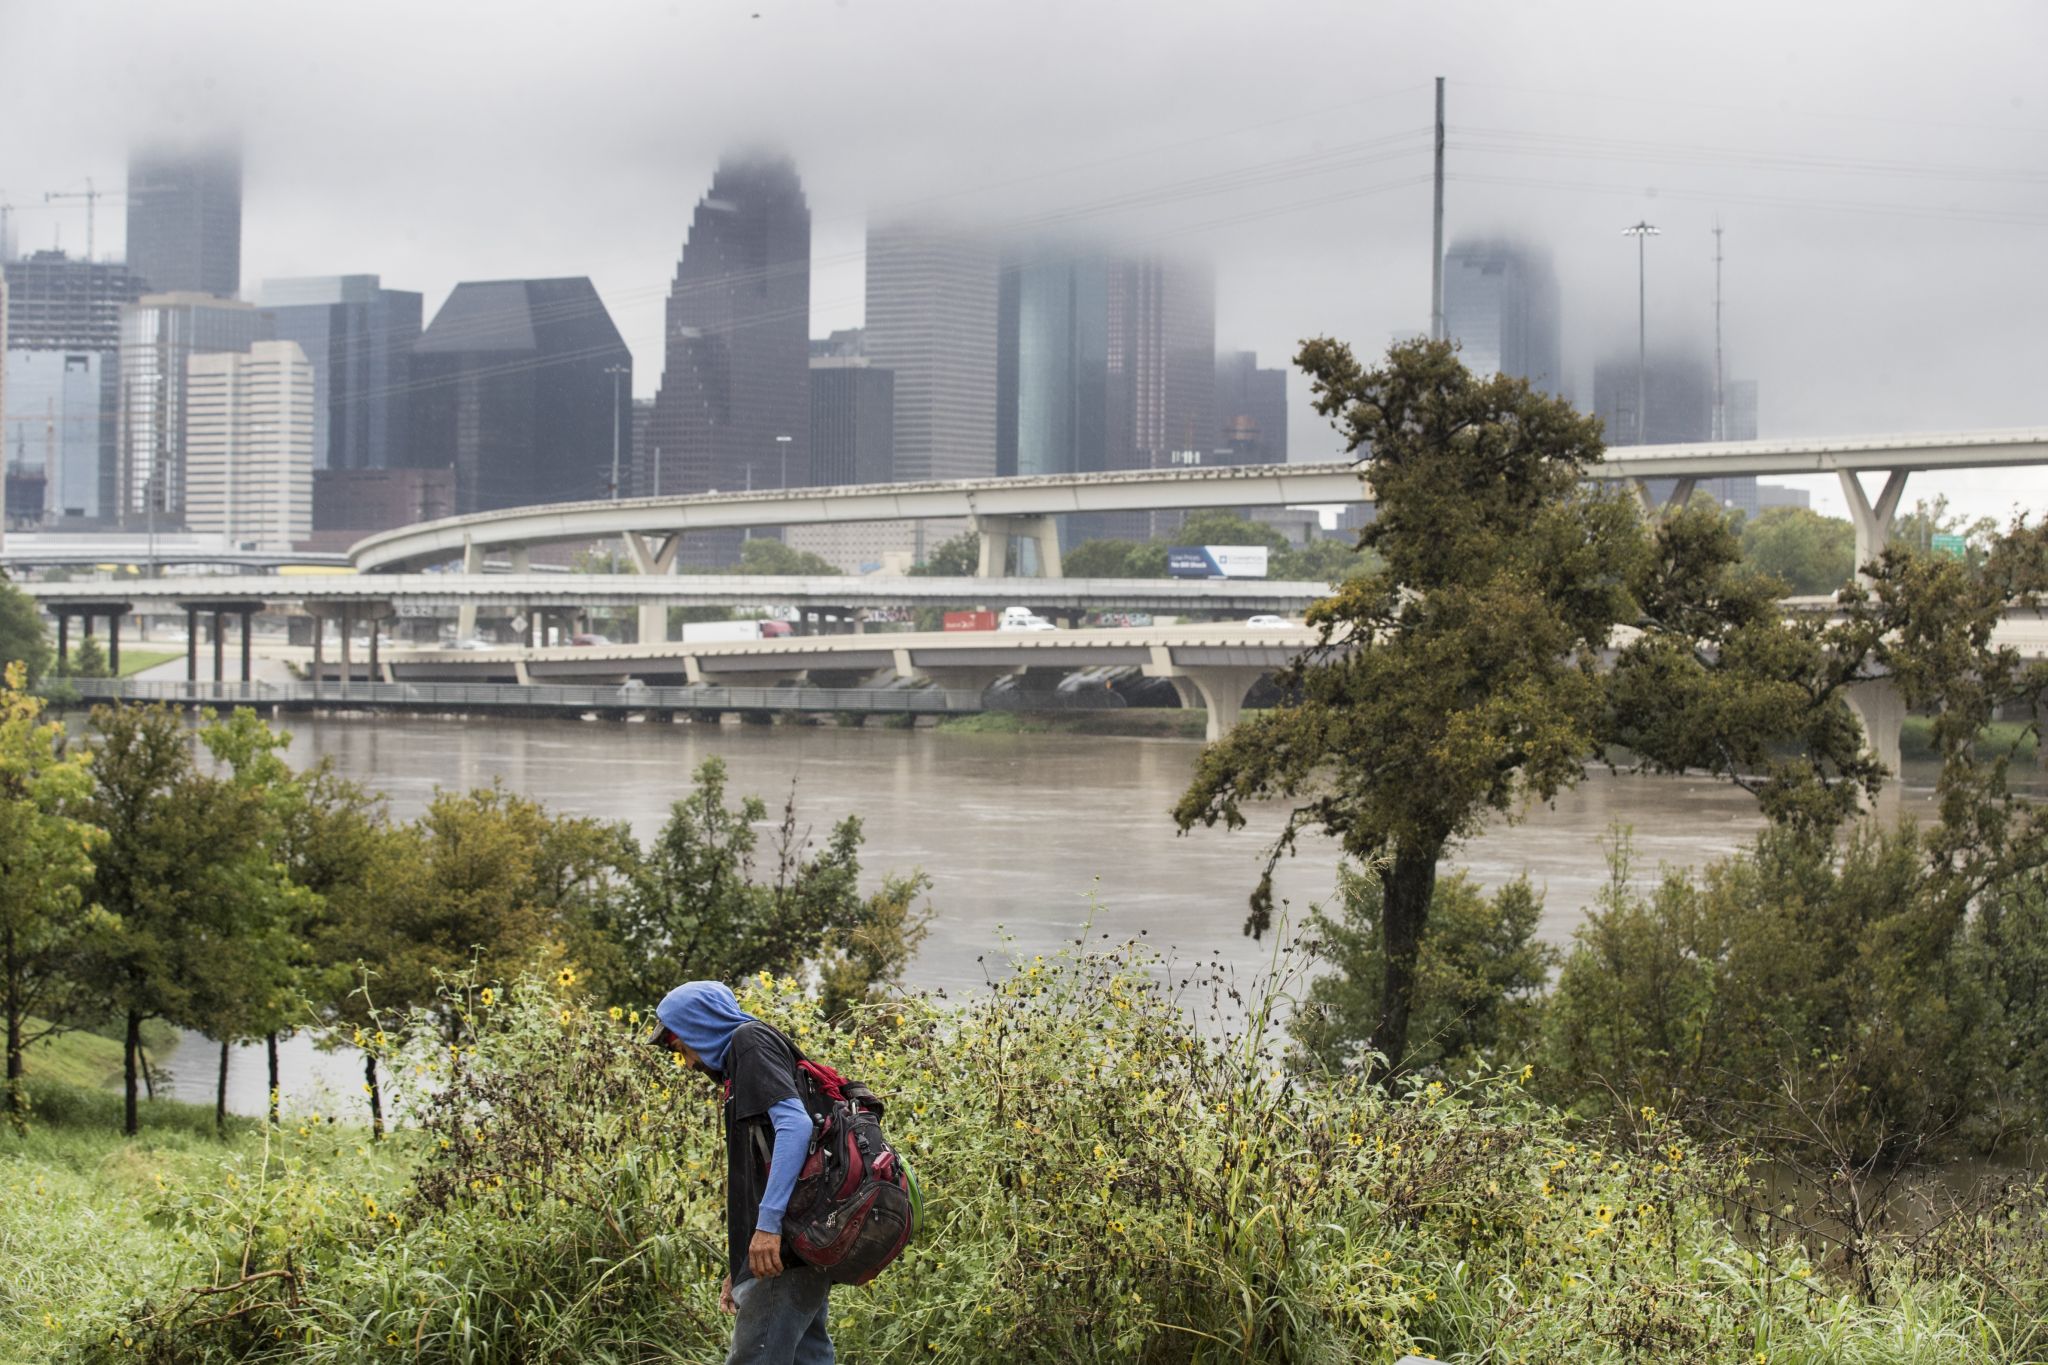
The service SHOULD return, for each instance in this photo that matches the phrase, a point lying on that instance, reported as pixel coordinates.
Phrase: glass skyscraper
(736, 377)
(1501, 307)
(1052, 362)
(185, 219)
(358, 337)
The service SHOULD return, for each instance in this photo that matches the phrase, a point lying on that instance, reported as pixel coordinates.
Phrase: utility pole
(1436, 256)
(615, 371)
(91, 197)
(1720, 399)
(1640, 232)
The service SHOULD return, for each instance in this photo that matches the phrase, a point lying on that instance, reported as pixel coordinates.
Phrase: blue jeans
(782, 1321)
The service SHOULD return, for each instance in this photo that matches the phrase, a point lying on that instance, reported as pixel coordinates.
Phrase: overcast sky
(1880, 167)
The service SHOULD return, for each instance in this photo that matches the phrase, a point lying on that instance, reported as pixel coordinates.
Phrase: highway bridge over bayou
(490, 554)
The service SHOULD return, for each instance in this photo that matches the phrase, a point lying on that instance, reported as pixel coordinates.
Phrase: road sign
(1955, 547)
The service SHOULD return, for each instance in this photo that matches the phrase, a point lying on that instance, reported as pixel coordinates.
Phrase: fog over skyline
(1880, 169)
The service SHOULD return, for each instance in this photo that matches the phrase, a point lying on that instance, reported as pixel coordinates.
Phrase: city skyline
(1307, 187)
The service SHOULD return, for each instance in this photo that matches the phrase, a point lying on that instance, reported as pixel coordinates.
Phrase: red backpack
(856, 1203)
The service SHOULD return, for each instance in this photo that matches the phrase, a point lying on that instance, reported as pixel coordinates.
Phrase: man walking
(780, 1307)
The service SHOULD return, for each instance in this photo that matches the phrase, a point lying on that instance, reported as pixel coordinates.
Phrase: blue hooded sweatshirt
(705, 1015)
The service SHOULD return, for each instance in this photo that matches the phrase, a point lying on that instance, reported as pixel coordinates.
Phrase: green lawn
(88, 1059)
(134, 660)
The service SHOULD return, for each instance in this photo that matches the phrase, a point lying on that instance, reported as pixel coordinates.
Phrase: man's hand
(764, 1255)
(726, 1302)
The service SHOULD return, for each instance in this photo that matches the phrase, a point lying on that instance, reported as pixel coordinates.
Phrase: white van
(1023, 618)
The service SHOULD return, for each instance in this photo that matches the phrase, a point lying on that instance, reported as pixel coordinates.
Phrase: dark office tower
(1251, 411)
(358, 337)
(1161, 378)
(185, 219)
(932, 321)
(56, 303)
(1501, 307)
(852, 416)
(511, 387)
(640, 478)
(1679, 407)
(1052, 362)
(736, 378)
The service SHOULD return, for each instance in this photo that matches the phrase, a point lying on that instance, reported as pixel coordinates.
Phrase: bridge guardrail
(460, 696)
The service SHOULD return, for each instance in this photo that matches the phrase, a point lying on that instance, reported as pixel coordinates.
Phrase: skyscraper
(58, 303)
(185, 219)
(358, 338)
(159, 334)
(1052, 362)
(1501, 306)
(931, 321)
(511, 388)
(736, 377)
(1251, 411)
(249, 446)
(852, 416)
(60, 421)
(1678, 407)
(1103, 362)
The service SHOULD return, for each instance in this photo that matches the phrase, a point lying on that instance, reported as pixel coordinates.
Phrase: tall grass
(1103, 1183)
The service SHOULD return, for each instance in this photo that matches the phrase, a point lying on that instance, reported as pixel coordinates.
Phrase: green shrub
(1478, 979)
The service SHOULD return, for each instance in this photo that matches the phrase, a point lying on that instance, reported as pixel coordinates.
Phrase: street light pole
(1641, 231)
(615, 371)
(782, 444)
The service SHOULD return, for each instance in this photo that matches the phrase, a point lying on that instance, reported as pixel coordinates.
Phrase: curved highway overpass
(1003, 509)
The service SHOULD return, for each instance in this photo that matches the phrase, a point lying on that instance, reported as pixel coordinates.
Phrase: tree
(484, 881)
(22, 639)
(1810, 554)
(1323, 560)
(181, 855)
(773, 557)
(88, 660)
(694, 906)
(1461, 675)
(45, 870)
(959, 557)
(1099, 559)
(1478, 978)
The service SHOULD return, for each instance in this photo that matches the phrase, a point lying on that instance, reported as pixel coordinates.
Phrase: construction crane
(91, 196)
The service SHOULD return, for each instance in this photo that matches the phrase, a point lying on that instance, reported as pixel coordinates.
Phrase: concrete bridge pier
(1873, 521)
(997, 533)
(1221, 687)
(1681, 494)
(650, 558)
(1882, 712)
(465, 615)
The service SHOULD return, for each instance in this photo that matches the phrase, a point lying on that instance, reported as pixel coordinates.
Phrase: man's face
(690, 1058)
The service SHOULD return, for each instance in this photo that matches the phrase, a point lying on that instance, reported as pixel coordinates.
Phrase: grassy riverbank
(1103, 1184)
(1137, 722)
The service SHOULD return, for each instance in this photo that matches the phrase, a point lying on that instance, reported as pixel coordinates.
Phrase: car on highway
(1269, 623)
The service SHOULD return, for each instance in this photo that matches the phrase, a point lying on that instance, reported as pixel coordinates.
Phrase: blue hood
(704, 1014)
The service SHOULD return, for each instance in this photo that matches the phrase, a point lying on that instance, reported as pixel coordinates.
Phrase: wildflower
(566, 977)
(488, 996)
(1527, 1072)
(633, 1016)
(617, 1014)
(360, 1038)
(567, 1018)
(1649, 1114)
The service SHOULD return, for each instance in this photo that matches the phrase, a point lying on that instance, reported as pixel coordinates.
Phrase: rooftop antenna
(1720, 395)
(91, 197)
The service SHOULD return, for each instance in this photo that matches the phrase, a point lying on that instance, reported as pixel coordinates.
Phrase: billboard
(1216, 561)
